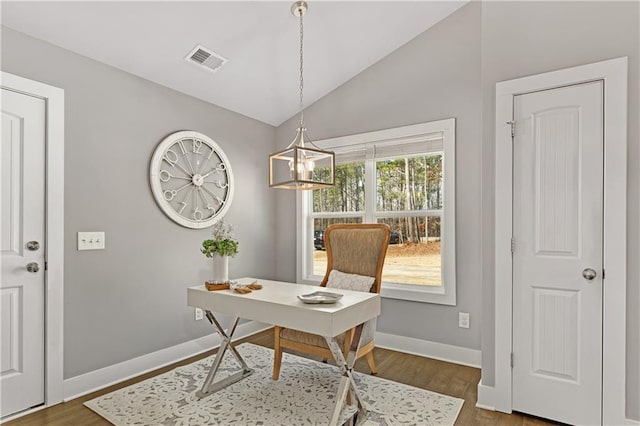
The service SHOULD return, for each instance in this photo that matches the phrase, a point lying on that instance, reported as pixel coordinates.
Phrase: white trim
(54, 276)
(99, 379)
(435, 350)
(445, 294)
(614, 74)
(486, 397)
(23, 413)
(410, 131)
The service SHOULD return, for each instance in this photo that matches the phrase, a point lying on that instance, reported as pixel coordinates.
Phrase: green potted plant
(220, 247)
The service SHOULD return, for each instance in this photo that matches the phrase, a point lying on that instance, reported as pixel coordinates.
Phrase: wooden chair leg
(348, 337)
(372, 363)
(277, 352)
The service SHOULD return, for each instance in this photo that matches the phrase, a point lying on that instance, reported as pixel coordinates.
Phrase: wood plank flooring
(425, 373)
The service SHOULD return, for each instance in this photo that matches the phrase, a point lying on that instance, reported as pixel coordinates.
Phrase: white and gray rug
(303, 395)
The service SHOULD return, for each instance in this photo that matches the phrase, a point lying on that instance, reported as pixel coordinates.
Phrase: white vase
(220, 269)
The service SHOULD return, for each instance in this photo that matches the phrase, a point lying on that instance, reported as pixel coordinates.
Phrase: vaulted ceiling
(260, 40)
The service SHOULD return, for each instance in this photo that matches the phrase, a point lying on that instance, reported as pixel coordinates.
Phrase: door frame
(54, 229)
(614, 75)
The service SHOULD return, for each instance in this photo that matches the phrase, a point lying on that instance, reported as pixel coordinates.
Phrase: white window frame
(444, 294)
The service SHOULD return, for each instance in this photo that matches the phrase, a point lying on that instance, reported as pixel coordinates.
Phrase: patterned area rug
(303, 395)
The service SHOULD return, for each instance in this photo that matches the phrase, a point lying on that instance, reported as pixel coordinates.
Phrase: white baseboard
(22, 414)
(441, 351)
(485, 397)
(94, 380)
(486, 402)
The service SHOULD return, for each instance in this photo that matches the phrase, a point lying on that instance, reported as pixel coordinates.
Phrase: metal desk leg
(209, 385)
(347, 381)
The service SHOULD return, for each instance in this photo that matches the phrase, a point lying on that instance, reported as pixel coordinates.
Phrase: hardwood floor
(425, 373)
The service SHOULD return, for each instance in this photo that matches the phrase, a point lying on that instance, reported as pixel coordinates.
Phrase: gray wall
(437, 75)
(130, 299)
(433, 77)
(524, 38)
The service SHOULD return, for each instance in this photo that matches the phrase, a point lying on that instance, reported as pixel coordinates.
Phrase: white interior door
(22, 247)
(557, 258)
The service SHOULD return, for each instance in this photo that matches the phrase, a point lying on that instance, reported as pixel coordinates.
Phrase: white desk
(277, 303)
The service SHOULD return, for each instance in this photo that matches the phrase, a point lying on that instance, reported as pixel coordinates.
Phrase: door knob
(33, 245)
(589, 274)
(33, 267)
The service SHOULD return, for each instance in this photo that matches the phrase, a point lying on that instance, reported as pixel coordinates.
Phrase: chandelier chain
(301, 74)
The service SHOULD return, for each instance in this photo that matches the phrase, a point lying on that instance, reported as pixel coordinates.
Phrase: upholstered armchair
(355, 257)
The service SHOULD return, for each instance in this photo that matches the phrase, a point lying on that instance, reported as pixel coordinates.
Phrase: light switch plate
(91, 241)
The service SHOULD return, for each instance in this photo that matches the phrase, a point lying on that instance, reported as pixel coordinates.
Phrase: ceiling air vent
(206, 58)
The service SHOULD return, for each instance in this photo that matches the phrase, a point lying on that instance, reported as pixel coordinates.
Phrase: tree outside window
(410, 191)
(404, 177)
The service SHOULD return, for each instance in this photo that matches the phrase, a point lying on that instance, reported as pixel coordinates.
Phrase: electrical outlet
(463, 320)
(199, 314)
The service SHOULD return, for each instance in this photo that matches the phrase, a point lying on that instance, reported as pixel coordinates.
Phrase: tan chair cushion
(316, 340)
(308, 338)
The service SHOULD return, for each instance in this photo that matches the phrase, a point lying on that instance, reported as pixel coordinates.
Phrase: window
(403, 177)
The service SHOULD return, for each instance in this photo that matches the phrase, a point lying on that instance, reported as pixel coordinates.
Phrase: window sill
(422, 294)
(413, 293)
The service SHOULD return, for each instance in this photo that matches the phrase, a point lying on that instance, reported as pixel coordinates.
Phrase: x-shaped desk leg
(347, 381)
(209, 385)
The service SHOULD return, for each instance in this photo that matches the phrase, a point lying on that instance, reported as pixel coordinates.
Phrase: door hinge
(603, 274)
(512, 124)
(511, 360)
(513, 245)
(46, 265)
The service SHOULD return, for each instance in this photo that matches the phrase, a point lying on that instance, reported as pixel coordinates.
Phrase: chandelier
(301, 165)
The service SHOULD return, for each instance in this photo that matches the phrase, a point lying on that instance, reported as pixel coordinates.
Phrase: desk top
(277, 303)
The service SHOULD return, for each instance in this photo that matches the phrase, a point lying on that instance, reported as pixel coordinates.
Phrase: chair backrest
(357, 248)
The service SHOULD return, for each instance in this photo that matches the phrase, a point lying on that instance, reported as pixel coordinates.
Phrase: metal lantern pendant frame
(297, 162)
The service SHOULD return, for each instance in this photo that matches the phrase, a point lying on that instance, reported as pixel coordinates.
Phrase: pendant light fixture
(302, 165)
